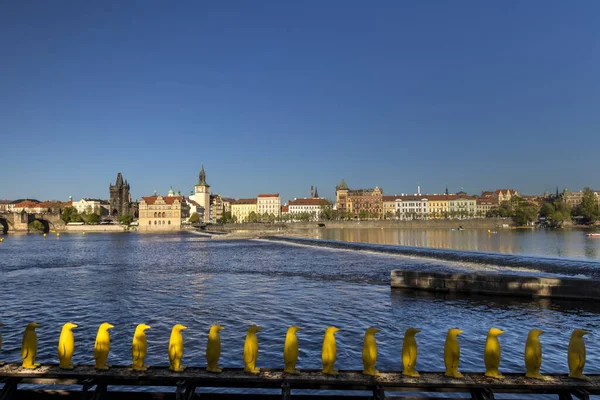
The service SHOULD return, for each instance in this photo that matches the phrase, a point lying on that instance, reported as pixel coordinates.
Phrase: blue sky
(276, 96)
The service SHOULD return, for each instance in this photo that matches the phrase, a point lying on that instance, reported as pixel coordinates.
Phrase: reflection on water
(161, 280)
(565, 243)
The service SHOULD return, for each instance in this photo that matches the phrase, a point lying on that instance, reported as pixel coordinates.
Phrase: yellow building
(462, 206)
(240, 209)
(505, 194)
(158, 213)
(437, 206)
(389, 207)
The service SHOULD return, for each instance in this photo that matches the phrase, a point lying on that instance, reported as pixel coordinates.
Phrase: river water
(161, 280)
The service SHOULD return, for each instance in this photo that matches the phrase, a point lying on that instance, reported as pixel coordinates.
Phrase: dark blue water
(161, 280)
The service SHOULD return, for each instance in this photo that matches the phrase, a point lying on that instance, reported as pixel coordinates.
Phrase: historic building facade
(462, 206)
(240, 209)
(485, 204)
(202, 195)
(91, 205)
(312, 206)
(158, 213)
(119, 197)
(365, 202)
(341, 196)
(268, 204)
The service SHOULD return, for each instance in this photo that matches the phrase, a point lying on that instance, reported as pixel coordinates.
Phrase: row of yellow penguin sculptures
(492, 351)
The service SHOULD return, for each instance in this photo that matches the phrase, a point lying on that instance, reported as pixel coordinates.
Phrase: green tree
(67, 213)
(525, 213)
(547, 210)
(125, 219)
(227, 217)
(363, 214)
(92, 218)
(36, 226)
(76, 218)
(252, 217)
(194, 218)
(588, 209)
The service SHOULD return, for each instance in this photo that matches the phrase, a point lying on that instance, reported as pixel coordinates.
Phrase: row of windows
(159, 222)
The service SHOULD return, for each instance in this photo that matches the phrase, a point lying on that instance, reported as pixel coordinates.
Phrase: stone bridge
(19, 221)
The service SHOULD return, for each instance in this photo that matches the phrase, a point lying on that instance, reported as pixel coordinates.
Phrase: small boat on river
(594, 235)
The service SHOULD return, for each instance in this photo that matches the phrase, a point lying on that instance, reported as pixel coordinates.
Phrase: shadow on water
(478, 301)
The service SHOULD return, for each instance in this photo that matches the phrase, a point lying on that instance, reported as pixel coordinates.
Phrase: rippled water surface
(161, 280)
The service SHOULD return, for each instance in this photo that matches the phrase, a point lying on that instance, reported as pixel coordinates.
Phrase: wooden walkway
(185, 384)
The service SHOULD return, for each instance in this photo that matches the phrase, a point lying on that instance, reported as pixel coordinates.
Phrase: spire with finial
(202, 178)
(171, 193)
(316, 193)
(446, 189)
(155, 192)
(119, 180)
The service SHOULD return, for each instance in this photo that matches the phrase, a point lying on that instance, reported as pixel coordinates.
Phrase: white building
(90, 205)
(312, 206)
(412, 207)
(268, 203)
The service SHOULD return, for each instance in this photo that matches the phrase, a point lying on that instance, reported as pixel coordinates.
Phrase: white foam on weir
(446, 265)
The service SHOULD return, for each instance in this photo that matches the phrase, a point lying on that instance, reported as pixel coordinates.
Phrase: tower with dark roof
(119, 197)
(202, 194)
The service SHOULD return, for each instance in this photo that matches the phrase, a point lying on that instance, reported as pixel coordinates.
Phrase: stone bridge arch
(5, 224)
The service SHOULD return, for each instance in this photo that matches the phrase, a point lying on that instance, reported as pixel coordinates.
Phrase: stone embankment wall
(484, 223)
(94, 228)
(505, 285)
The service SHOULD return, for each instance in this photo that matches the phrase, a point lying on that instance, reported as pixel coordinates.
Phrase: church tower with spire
(202, 194)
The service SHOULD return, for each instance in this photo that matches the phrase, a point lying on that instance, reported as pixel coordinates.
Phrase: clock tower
(202, 194)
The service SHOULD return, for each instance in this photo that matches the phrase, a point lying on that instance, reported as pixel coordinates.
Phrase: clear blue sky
(276, 96)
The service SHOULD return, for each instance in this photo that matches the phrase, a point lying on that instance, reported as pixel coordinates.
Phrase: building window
(154, 222)
(155, 215)
(149, 222)
(169, 222)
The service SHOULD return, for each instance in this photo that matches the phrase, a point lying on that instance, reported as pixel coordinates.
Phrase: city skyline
(304, 193)
(279, 97)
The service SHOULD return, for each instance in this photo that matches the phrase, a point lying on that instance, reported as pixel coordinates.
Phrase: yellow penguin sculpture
(329, 352)
(139, 348)
(290, 350)
(102, 346)
(1, 325)
(251, 350)
(213, 349)
(452, 353)
(492, 353)
(577, 354)
(29, 346)
(410, 352)
(533, 354)
(176, 348)
(369, 352)
(66, 346)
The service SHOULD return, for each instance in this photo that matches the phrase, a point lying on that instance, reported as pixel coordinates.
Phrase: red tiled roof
(26, 204)
(285, 209)
(167, 199)
(308, 202)
(244, 201)
(5, 201)
(269, 195)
